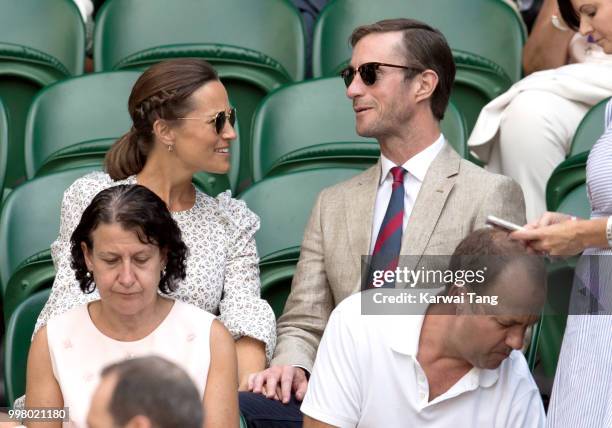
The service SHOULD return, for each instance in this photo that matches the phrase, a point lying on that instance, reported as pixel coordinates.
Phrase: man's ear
(139, 421)
(164, 132)
(427, 82)
(87, 256)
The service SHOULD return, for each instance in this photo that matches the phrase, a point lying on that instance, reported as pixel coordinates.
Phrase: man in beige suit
(399, 80)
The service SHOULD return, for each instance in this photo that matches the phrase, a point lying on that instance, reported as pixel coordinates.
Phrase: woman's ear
(87, 256)
(164, 132)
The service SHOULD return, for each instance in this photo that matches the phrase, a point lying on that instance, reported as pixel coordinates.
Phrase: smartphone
(503, 224)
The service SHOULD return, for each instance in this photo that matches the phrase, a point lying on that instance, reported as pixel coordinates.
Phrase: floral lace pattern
(222, 265)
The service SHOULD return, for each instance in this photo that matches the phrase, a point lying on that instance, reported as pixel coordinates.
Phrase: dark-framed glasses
(367, 71)
(218, 119)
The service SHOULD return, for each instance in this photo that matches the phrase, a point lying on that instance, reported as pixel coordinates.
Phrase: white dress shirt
(416, 168)
(366, 374)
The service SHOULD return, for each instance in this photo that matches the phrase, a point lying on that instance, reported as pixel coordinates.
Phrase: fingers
(300, 391)
(286, 383)
(525, 235)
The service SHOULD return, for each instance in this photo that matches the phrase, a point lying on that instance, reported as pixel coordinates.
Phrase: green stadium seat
(567, 176)
(284, 213)
(17, 345)
(33, 54)
(29, 223)
(591, 127)
(255, 46)
(3, 147)
(486, 37)
(312, 124)
(95, 107)
(284, 203)
(276, 273)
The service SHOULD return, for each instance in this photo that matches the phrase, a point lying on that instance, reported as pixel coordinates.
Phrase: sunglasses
(367, 72)
(219, 119)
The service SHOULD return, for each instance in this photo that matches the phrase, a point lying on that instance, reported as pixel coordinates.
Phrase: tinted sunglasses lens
(368, 73)
(220, 121)
(348, 74)
(232, 116)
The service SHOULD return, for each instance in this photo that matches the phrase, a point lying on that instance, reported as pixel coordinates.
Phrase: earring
(163, 272)
(170, 148)
(88, 274)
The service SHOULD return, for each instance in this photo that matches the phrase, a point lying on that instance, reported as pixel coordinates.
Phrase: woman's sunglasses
(367, 72)
(219, 119)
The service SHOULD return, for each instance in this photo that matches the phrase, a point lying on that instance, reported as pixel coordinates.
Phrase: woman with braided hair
(182, 124)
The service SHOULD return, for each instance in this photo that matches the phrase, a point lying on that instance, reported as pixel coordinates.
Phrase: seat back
(17, 345)
(312, 123)
(3, 148)
(284, 203)
(591, 127)
(30, 217)
(567, 176)
(88, 111)
(491, 29)
(33, 54)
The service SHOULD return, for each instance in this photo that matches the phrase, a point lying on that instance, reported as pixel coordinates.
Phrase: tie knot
(398, 174)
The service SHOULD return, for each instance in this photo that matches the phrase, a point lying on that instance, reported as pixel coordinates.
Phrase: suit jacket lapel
(436, 187)
(359, 201)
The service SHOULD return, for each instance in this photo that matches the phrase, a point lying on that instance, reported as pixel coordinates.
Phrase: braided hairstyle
(162, 92)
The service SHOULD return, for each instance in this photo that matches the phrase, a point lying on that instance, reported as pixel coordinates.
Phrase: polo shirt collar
(417, 165)
(403, 337)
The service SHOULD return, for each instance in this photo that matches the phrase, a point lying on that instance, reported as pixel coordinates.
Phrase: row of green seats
(266, 53)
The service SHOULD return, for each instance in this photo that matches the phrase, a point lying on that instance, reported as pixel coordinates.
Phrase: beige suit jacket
(455, 198)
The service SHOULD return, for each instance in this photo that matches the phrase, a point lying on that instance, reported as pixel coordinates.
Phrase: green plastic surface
(284, 203)
(312, 124)
(591, 127)
(491, 29)
(18, 335)
(30, 218)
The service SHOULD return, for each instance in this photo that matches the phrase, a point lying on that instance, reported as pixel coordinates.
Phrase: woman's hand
(557, 238)
(548, 219)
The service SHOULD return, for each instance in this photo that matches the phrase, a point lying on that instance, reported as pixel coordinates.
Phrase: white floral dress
(222, 265)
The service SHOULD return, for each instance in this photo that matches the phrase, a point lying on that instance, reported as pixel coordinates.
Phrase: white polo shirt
(366, 375)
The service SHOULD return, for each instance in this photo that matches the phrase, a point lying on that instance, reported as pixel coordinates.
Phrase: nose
(228, 132)
(585, 27)
(515, 337)
(126, 275)
(355, 89)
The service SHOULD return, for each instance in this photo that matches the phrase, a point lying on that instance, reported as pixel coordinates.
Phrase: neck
(167, 179)
(436, 344)
(129, 327)
(411, 139)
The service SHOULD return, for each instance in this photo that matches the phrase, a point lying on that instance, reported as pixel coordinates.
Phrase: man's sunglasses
(367, 72)
(218, 119)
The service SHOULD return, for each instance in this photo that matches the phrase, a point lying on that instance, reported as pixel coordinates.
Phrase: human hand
(548, 219)
(557, 239)
(278, 382)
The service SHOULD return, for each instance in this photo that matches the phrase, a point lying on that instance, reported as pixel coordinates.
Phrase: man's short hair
(492, 249)
(155, 388)
(424, 48)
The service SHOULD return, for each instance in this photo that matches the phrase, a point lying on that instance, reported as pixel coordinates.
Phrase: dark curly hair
(138, 209)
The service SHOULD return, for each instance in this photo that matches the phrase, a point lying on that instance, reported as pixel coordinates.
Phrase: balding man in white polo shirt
(437, 370)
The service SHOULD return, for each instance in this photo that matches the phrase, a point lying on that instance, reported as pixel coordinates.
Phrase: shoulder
(190, 314)
(516, 372)
(66, 321)
(472, 174)
(356, 182)
(85, 188)
(234, 211)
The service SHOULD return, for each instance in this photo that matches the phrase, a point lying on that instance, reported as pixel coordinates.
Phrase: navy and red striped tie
(386, 251)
